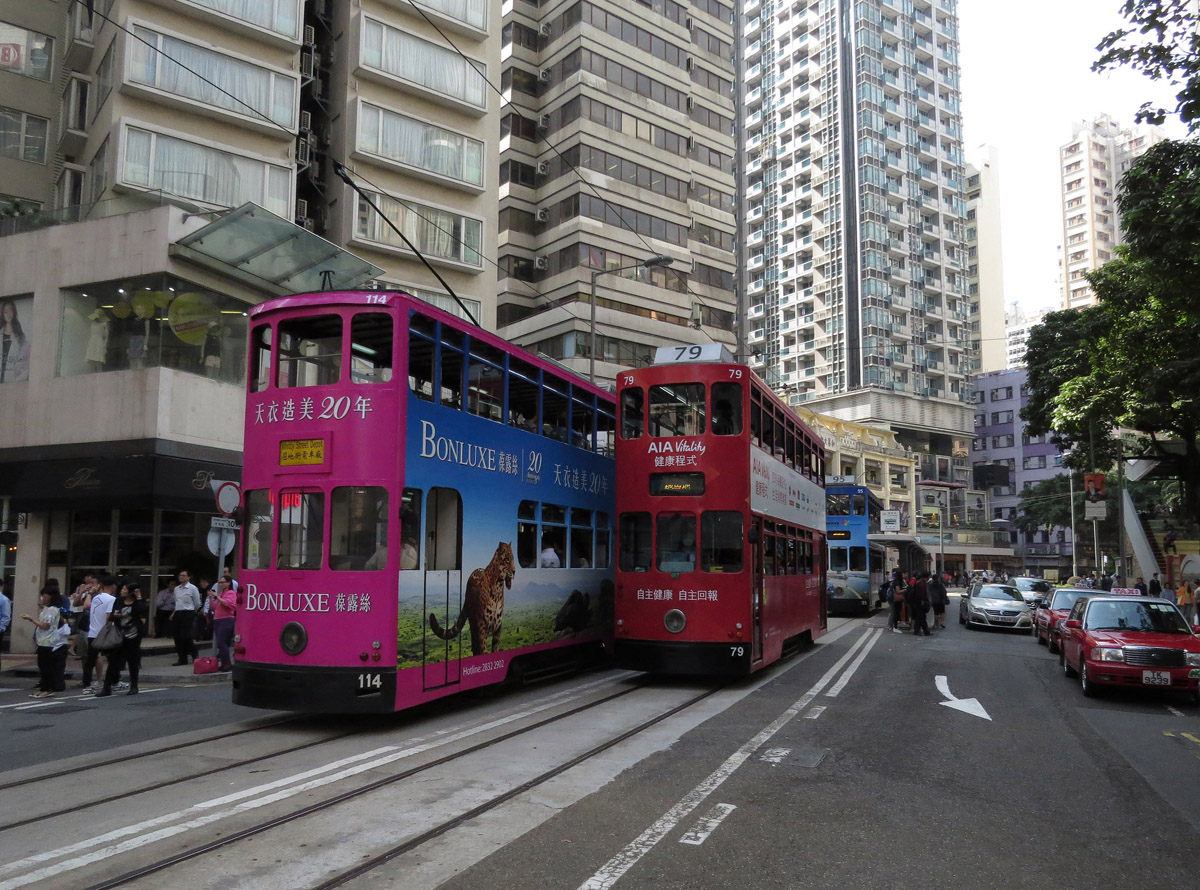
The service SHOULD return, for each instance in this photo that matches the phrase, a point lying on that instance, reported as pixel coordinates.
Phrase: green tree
(1133, 360)
(1163, 42)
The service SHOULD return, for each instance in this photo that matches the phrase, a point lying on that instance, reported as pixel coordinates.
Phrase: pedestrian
(1185, 598)
(1140, 586)
(102, 604)
(81, 604)
(939, 598)
(224, 608)
(1168, 593)
(45, 637)
(895, 597)
(132, 615)
(1155, 588)
(187, 601)
(164, 605)
(916, 598)
(202, 628)
(5, 611)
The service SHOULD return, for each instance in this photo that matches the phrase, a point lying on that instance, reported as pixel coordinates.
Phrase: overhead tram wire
(508, 102)
(338, 166)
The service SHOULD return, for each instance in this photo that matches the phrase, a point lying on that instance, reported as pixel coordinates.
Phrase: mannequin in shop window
(139, 333)
(210, 352)
(97, 344)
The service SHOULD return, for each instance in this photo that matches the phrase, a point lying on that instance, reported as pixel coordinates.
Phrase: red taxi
(1131, 641)
(1053, 609)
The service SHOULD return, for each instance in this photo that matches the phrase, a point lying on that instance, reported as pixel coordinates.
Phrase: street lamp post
(659, 259)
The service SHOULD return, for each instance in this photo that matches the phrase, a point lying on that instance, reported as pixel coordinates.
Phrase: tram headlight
(675, 621)
(293, 638)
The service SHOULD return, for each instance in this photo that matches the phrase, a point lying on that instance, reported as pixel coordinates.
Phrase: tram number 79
(737, 651)
(370, 681)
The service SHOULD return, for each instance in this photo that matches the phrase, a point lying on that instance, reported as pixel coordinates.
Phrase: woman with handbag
(131, 615)
(223, 603)
(46, 637)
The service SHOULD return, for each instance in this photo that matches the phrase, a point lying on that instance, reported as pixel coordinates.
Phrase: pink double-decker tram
(425, 506)
(721, 519)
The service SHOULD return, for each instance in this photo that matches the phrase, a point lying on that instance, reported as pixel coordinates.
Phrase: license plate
(1193, 674)
(1005, 620)
(1156, 678)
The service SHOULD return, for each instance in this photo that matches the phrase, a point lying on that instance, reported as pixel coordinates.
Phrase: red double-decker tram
(721, 513)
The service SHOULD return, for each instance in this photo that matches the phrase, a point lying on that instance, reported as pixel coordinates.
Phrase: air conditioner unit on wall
(306, 120)
(544, 75)
(310, 35)
(544, 30)
(301, 208)
(541, 263)
(308, 64)
(303, 152)
(543, 168)
(541, 215)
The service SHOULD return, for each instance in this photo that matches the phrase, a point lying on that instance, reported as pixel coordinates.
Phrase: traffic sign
(889, 520)
(221, 541)
(229, 496)
(224, 522)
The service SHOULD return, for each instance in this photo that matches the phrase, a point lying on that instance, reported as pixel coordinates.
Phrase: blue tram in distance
(857, 565)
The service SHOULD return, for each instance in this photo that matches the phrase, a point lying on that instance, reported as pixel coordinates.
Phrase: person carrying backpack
(939, 598)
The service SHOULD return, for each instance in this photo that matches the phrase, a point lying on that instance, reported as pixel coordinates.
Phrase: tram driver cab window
(676, 543)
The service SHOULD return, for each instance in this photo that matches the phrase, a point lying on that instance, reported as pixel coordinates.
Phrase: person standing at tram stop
(102, 604)
(939, 599)
(916, 598)
(895, 596)
(81, 605)
(187, 601)
(132, 615)
(223, 602)
(46, 638)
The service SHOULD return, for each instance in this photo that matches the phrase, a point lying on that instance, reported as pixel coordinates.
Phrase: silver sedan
(995, 605)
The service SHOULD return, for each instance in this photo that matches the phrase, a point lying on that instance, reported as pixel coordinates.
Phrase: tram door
(757, 581)
(443, 585)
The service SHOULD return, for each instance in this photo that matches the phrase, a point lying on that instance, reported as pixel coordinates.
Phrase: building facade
(985, 261)
(617, 145)
(1091, 165)
(1000, 438)
(1017, 326)
(856, 299)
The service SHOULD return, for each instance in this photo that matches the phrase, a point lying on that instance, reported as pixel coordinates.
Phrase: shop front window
(154, 321)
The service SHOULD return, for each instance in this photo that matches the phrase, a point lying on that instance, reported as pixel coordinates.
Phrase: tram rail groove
(374, 862)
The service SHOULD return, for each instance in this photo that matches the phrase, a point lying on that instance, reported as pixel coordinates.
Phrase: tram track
(381, 858)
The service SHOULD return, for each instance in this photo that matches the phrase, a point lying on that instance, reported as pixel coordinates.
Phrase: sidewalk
(158, 666)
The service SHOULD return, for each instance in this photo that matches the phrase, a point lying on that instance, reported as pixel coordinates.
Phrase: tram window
(301, 529)
(790, 445)
(632, 413)
(858, 559)
(260, 372)
(371, 347)
(554, 408)
(634, 542)
(443, 530)
(837, 505)
(522, 395)
(806, 558)
(581, 539)
(793, 556)
(420, 367)
(310, 351)
(838, 561)
(260, 525)
(876, 558)
(727, 409)
(485, 390)
(452, 377)
(677, 409)
(358, 528)
(606, 432)
(768, 554)
(410, 528)
(554, 537)
(777, 448)
(756, 424)
(676, 543)
(860, 504)
(721, 541)
(583, 420)
(768, 429)
(602, 538)
(527, 534)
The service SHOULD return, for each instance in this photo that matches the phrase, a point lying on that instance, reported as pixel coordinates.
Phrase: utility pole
(1074, 539)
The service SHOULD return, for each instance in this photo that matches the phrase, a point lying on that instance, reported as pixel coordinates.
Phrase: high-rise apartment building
(617, 146)
(985, 260)
(1091, 165)
(857, 297)
(216, 103)
(1017, 325)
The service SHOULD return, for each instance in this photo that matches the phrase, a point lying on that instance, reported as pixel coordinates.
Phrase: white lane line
(707, 824)
(845, 678)
(814, 712)
(23, 706)
(1175, 711)
(612, 870)
(120, 841)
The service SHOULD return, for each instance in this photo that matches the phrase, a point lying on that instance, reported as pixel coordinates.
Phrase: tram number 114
(367, 682)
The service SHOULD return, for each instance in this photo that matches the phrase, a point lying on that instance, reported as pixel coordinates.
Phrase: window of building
(469, 12)
(23, 136)
(25, 52)
(426, 65)
(436, 233)
(1002, 417)
(189, 170)
(424, 146)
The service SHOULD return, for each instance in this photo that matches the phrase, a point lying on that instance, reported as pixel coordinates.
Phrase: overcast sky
(1025, 78)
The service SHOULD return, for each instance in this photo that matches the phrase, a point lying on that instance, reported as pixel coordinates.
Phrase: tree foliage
(1133, 359)
(1163, 42)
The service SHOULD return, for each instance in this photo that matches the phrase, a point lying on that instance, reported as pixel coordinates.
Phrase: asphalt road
(852, 766)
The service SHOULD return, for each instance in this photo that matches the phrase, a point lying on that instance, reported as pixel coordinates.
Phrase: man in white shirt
(102, 604)
(549, 557)
(5, 610)
(187, 601)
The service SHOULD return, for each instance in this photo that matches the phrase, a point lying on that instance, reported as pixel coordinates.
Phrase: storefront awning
(274, 253)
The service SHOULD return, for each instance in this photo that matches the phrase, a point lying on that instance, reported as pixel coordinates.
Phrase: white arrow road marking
(707, 824)
(966, 705)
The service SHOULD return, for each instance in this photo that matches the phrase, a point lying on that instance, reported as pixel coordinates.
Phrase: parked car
(1032, 589)
(1131, 641)
(1053, 609)
(994, 605)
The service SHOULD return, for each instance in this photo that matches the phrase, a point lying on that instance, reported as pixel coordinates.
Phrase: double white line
(612, 870)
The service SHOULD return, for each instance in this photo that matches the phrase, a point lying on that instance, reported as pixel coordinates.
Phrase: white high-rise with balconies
(1091, 165)
(856, 287)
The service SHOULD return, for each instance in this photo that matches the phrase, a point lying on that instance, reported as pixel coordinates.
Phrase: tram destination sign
(301, 452)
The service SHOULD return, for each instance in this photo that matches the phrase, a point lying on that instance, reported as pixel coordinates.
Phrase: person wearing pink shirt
(223, 601)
